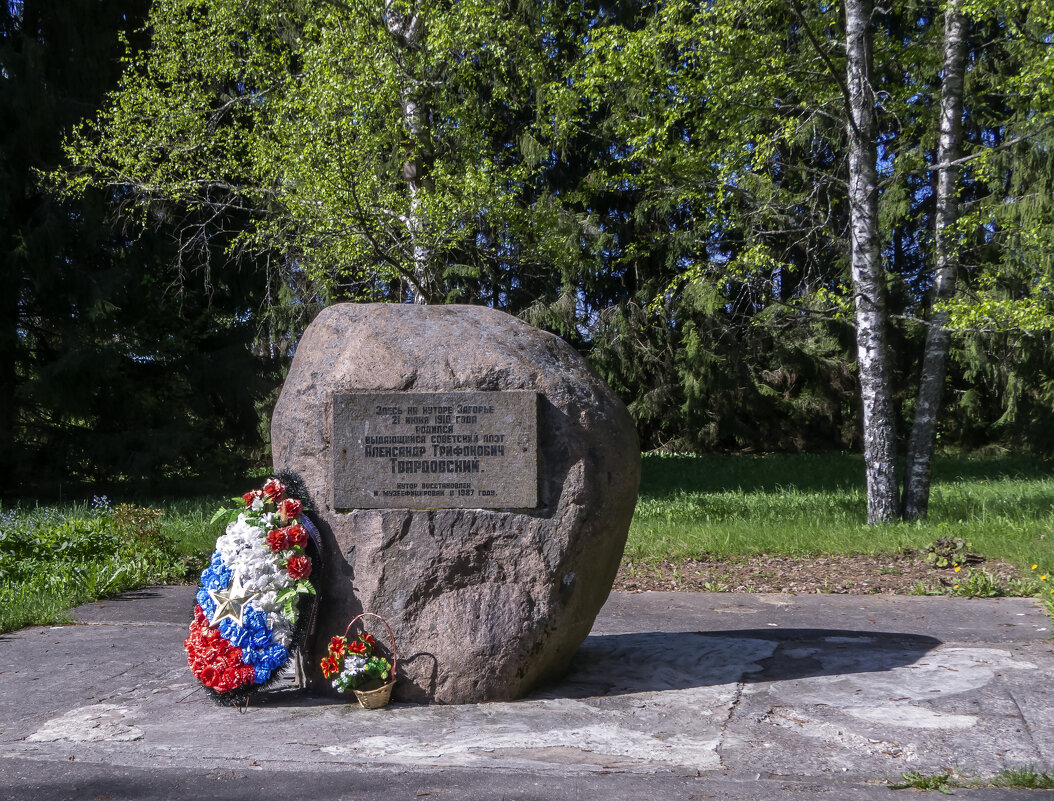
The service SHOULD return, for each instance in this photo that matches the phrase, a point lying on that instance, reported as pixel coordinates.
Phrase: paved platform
(673, 695)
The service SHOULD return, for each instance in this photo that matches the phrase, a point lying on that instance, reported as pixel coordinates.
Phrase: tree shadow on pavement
(620, 664)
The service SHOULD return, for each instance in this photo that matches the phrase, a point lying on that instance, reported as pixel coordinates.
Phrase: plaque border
(533, 424)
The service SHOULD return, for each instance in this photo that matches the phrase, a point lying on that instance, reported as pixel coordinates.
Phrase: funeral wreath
(249, 601)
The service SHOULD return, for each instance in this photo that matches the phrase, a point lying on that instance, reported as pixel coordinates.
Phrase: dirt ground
(846, 575)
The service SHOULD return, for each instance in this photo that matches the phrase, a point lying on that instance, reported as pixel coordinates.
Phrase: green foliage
(367, 145)
(920, 781)
(978, 583)
(52, 560)
(290, 598)
(138, 524)
(1002, 389)
(742, 131)
(662, 184)
(1021, 778)
(1028, 778)
(949, 552)
(115, 370)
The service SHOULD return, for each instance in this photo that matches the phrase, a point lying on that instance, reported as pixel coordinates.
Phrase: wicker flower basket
(375, 697)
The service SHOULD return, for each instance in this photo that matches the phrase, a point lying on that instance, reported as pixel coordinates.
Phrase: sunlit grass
(732, 506)
(55, 558)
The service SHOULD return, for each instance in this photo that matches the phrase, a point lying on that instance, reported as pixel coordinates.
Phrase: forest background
(674, 188)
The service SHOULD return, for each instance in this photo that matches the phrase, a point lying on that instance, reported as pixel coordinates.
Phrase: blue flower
(261, 638)
(236, 635)
(265, 661)
(216, 576)
(254, 619)
(208, 606)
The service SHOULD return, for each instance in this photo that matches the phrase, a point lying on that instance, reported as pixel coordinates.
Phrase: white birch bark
(404, 25)
(869, 286)
(935, 356)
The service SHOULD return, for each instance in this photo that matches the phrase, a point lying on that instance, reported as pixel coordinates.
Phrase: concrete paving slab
(691, 695)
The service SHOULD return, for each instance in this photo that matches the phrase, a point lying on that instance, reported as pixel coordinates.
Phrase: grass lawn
(55, 558)
(690, 507)
(732, 506)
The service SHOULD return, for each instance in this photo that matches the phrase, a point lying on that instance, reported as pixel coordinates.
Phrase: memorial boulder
(473, 482)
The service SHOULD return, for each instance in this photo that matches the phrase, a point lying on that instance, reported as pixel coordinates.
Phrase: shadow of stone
(622, 664)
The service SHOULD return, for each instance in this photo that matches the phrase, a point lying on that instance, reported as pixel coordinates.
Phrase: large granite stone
(485, 603)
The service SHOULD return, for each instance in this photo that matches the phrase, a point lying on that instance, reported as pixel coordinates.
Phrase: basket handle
(395, 653)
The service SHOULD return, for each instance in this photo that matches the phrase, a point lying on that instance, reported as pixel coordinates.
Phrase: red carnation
(209, 676)
(368, 639)
(357, 647)
(330, 665)
(278, 540)
(251, 496)
(274, 490)
(337, 646)
(299, 567)
(296, 536)
(233, 677)
(214, 661)
(289, 509)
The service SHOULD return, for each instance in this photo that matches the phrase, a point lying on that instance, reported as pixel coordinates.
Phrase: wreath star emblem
(230, 603)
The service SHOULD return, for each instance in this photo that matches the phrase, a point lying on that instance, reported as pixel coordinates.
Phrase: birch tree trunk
(405, 26)
(869, 286)
(935, 356)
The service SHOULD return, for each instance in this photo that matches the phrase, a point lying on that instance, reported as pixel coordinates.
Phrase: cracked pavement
(693, 695)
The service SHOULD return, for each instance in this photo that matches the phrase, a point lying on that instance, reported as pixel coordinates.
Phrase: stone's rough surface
(435, 450)
(485, 603)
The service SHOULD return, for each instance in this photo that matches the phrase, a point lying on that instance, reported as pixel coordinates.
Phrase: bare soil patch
(846, 575)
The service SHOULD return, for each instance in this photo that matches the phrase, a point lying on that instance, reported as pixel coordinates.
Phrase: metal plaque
(435, 450)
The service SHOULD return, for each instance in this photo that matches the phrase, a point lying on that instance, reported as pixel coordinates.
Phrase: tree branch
(943, 165)
(835, 73)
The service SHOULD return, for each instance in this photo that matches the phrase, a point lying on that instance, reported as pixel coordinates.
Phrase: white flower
(243, 548)
(282, 637)
(266, 602)
(353, 665)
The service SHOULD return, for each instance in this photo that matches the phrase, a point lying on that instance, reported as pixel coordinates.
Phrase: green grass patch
(1027, 778)
(920, 781)
(732, 506)
(1017, 778)
(52, 559)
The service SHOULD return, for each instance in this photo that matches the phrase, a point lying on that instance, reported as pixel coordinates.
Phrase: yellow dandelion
(1034, 566)
(958, 568)
(956, 586)
(1043, 577)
